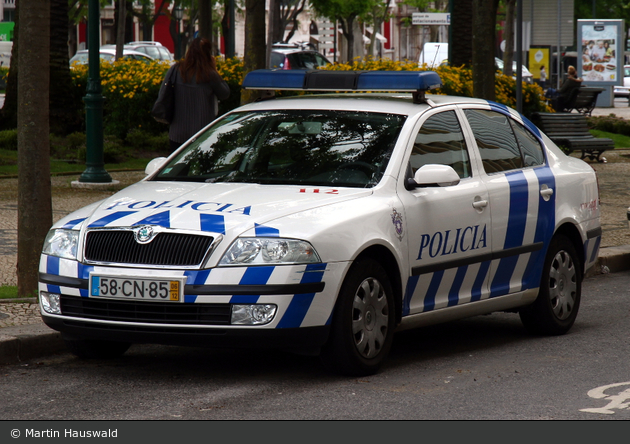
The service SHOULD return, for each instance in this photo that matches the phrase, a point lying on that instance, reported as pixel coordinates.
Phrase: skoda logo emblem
(144, 234)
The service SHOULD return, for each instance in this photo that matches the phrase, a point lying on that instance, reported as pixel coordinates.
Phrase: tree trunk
(461, 48)
(347, 28)
(121, 15)
(508, 55)
(277, 26)
(66, 108)
(205, 19)
(34, 191)
(270, 27)
(254, 43)
(290, 15)
(484, 21)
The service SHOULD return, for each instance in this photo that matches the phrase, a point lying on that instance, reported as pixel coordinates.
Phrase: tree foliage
(604, 9)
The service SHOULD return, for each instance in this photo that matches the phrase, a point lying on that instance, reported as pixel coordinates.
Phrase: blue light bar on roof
(322, 80)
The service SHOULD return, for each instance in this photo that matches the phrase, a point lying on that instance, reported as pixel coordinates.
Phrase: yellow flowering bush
(457, 81)
(131, 87)
(231, 70)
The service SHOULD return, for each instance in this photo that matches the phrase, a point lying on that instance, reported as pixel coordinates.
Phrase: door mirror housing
(433, 175)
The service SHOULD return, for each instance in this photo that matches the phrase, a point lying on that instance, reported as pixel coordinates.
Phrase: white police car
(327, 223)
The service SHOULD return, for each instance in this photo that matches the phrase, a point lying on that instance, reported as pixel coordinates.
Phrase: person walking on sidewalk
(198, 89)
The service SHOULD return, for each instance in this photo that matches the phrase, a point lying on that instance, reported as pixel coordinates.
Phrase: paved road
(481, 368)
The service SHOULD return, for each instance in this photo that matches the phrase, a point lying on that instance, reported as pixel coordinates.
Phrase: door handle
(546, 192)
(480, 204)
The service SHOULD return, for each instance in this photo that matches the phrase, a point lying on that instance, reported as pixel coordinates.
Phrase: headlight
(61, 243)
(263, 251)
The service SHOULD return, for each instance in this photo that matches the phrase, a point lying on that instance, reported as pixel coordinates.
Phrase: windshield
(296, 147)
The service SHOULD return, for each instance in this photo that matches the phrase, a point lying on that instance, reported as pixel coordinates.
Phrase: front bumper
(299, 339)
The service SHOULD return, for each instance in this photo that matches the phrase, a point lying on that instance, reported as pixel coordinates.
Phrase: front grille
(171, 249)
(149, 312)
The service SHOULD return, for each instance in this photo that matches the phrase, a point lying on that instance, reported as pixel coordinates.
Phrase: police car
(326, 223)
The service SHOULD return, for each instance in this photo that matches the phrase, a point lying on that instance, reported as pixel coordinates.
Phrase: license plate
(121, 287)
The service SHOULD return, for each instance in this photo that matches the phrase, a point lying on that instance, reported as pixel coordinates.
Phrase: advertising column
(600, 56)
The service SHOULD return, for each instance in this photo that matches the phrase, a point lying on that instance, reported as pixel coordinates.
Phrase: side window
(441, 141)
(532, 150)
(496, 142)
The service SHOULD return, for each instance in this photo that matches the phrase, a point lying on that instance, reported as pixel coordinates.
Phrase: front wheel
(363, 321)
(556, 307)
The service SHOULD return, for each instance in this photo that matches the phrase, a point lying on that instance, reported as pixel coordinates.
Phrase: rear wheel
(94, 348)
(363, 322)
(558, 302)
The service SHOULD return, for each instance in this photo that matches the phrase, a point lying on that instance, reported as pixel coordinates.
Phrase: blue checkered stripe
(214, 223)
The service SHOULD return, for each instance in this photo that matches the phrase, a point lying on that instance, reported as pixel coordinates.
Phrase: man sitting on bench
(566, 92)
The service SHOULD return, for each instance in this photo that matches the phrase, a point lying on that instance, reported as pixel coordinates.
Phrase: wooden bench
(570, 130)
(585, 100)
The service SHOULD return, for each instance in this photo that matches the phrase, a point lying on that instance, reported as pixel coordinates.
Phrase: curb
(25, 342)
(611, 260)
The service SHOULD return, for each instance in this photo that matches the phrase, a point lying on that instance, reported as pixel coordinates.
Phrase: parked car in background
(109, 55)
(155, 50)
(622, 90)
(296, 56)
(527, 76)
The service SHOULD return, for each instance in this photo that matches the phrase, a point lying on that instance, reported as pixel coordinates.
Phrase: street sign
(430, 18)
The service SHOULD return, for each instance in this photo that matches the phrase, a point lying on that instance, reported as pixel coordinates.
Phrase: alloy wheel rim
(370, 318)
(562, 285)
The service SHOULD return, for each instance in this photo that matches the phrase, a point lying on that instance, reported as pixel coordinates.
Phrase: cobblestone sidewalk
(15, 313)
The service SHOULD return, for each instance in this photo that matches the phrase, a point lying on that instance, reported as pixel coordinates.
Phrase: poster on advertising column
(601, 50)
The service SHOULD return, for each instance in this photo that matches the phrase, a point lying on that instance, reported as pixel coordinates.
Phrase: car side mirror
(433, 175)
(154, 165)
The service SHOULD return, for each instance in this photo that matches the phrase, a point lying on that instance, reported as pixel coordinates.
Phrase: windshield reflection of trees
(296, 147)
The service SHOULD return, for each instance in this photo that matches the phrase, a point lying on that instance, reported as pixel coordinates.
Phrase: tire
(556, 307)
(95, 349)
(363, 322)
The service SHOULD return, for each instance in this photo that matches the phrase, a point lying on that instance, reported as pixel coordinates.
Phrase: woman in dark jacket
(198, 88)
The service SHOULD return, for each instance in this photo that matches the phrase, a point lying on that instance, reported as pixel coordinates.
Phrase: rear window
(504, 144)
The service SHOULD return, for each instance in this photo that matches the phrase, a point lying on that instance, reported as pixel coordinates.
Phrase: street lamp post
(95, 171)
(178, 12)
